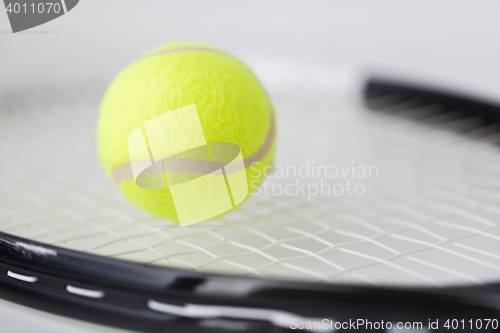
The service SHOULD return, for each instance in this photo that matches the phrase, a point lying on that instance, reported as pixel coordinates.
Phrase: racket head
(67, 225)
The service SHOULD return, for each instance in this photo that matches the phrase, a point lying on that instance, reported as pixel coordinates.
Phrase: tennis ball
(186, 132)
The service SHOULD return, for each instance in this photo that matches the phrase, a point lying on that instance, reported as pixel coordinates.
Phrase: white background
(452, 43)
(456, 43)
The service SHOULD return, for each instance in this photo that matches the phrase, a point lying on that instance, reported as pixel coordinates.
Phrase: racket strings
(428, 217)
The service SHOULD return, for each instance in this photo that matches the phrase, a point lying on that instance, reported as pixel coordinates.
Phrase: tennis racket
(414, 245)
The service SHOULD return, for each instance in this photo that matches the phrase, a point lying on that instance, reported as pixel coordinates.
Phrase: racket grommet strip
(98, 294)
(22, 277)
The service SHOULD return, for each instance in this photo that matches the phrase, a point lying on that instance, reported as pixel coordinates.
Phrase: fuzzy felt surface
(232, 107)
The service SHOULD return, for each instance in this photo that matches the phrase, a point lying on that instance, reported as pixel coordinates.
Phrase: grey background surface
(452, 43)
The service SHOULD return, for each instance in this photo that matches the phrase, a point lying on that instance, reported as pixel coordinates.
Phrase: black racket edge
(449, 101)
(128, 286)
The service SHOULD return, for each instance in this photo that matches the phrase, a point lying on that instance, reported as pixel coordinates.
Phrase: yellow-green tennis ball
(214, 87)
